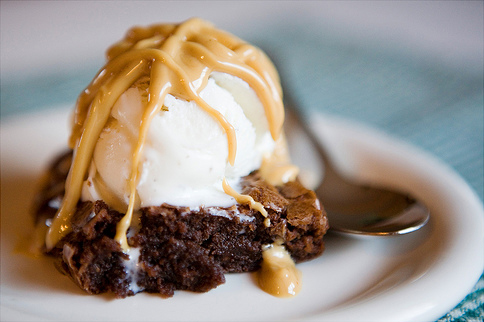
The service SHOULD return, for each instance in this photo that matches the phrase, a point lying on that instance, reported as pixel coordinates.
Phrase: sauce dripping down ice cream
(169, 61)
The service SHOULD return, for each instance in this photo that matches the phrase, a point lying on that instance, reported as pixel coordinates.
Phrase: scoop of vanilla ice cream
(185, 156)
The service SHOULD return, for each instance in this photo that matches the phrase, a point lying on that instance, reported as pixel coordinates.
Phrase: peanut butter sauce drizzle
(246, 199)
(179, 60)
(278, 274)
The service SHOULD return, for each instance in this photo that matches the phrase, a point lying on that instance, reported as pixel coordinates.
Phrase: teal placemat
(25, 93)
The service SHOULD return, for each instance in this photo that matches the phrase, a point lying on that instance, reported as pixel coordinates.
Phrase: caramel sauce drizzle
(246, 199)
(178, 59)
(278, 275)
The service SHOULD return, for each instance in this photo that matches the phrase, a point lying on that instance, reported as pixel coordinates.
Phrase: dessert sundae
(177, 171)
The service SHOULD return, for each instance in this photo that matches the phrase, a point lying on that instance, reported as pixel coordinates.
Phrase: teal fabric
(25, 93)
(411, 97)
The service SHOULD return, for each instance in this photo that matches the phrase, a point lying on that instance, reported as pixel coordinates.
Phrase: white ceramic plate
(415, 277)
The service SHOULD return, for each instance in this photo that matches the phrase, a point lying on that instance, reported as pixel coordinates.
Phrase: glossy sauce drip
(278, 275)
(246, 199)
(178, 60)
(277, 169)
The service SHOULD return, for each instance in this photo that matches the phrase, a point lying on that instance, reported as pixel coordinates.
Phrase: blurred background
(413, 69)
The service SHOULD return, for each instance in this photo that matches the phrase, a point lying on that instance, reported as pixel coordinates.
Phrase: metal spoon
(353, 208)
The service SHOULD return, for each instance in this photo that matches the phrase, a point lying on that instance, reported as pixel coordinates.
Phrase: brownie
(179, 248)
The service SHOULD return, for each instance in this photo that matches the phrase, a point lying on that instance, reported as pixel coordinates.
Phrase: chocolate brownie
(179, 248)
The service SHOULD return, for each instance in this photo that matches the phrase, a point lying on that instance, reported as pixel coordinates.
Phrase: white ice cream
(185, 157)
